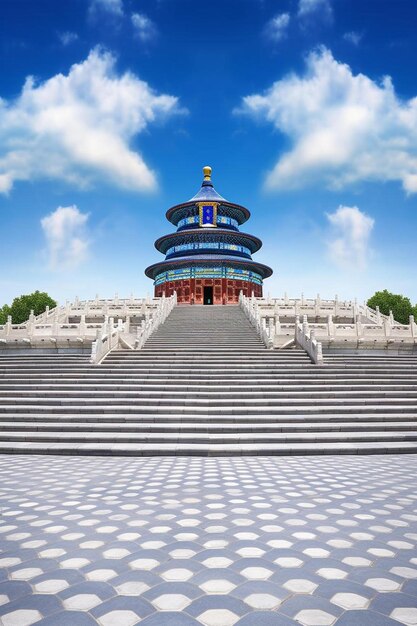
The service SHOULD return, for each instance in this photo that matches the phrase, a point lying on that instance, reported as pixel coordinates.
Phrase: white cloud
(144, 28)
(343, 127)
(67, 37)
(353, 37)
(276, 29)
(79, 127)
(113, 7)
(349, 247)
(67, 242)
(307, 8)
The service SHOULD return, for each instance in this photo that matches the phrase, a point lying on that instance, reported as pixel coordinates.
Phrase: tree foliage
(400, 306)
(22, 306)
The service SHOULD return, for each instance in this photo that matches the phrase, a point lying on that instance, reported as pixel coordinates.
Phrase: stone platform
(252, 541)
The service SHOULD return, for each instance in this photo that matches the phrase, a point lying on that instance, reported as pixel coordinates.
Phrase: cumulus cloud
(144, 28)
(66, 238)
(308, 8)
(349, 246)
(67, 37)
(276, 29)
(353, 37)
(79, 127)
(343, 127)
(113, 7)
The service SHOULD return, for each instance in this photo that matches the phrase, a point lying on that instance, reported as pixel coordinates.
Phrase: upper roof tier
(207, 193)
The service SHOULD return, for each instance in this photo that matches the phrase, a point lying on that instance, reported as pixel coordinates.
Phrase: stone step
(301, 419)
(242, 387)
(229, 449)
(212, 395)
(215, 438)
(203, 407)
(162, 426)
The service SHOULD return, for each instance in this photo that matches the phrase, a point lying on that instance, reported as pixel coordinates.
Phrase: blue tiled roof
(207, 192)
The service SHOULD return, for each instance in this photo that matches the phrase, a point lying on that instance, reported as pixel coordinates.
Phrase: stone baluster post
(277, 325)
(330, 326)
(378, 315)
(412, 327)
(82, 326)
(358, 326)
(317, 307)
(8, 325)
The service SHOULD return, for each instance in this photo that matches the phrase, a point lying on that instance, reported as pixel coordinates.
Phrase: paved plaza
(252, 541)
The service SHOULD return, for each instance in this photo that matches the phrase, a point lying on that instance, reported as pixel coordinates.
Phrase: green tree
(21, 307)
(400, 306)
(4, 312)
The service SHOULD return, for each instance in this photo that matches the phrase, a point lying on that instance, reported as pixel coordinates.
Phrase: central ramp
(204, 384)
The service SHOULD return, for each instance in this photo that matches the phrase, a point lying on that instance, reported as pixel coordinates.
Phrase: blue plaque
(208, 213)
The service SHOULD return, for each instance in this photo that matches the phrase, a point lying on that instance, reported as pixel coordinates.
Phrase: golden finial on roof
(207, 172)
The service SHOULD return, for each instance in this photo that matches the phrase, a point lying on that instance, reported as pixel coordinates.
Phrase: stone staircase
(204, 384)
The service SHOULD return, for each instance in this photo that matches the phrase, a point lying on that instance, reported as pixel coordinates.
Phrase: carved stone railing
(32, 332)
(107, 338)
(319, 308)
(305, 338)
(149, 326)
(250, 307)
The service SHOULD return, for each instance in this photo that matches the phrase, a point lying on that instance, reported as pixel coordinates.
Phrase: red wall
(225, 291)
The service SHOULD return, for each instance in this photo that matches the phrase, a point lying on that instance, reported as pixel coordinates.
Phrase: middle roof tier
(218, 239)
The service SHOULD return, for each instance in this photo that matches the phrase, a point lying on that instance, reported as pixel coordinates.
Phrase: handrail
(107, 338)
(149, 326)
(305, 337)
(250, 308)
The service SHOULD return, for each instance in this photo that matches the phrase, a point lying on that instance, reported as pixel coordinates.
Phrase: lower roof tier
(200, 265)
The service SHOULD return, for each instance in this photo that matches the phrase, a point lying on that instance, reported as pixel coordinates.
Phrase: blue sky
(304, 108)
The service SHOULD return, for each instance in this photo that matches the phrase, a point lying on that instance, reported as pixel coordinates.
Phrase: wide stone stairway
(204, 384)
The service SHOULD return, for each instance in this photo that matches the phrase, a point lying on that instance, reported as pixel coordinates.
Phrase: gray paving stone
(205, 521)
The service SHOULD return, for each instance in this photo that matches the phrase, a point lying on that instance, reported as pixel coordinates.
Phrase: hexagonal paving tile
(81, 602)
(217, 586)
(132, 588)
(51, 586)
(26, 573)
(288, 562)
(116, 553)
(300, 585)
(406, 615)
(217, 562)
(256, 573)
(144, 564)
(119, 618)
(178, 574)
(383, 585)
(101, 574)
(22, 617)
(404, 572)
(171, 602)
(218, 617)
(332, 573)
(315, 617)
(350, 600)
(262, 601)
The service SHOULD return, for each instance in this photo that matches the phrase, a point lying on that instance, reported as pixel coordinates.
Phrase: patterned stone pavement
(250, 541)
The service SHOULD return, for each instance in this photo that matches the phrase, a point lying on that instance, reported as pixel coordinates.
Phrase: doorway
(208, 295)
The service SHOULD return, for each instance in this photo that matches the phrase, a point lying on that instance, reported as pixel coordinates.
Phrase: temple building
(208, 260)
